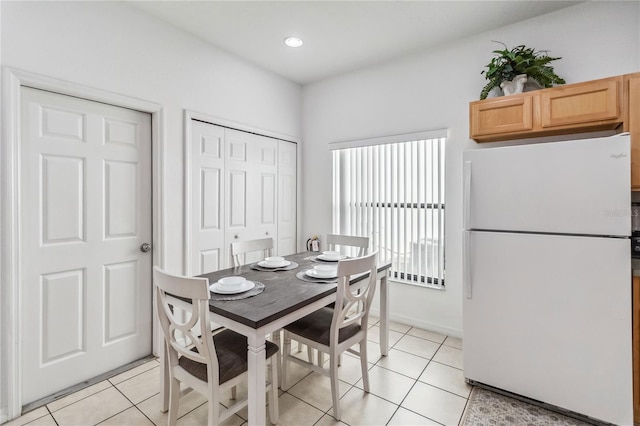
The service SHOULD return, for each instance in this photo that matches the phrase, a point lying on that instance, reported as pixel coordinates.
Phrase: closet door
(206, 184)
(251, 173)
(287, 198)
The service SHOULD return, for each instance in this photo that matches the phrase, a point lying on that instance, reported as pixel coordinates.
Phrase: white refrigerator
(547, 273)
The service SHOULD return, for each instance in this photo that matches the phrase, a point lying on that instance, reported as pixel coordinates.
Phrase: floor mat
(489, 408)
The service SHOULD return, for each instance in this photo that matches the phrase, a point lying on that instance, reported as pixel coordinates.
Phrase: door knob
(145, 247)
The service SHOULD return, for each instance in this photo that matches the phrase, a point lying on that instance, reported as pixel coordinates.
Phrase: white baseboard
(3, 416)
(426, 325)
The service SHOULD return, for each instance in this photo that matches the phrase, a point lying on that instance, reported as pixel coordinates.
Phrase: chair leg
(310, 353)
(335, 391)
(286, 349)
(321, 358)
(364, 365)
(214, 406)
(174, 400)
(274, 413)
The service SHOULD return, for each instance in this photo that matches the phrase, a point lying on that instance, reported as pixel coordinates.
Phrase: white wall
(432, 90)
(113, 47)
(117, 48)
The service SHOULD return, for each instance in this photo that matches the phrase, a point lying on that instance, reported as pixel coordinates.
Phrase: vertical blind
(393, 193)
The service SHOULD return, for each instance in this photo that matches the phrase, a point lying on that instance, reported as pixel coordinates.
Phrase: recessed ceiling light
(293, 41)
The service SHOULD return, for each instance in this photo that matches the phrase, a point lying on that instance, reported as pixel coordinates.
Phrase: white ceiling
(339, 36)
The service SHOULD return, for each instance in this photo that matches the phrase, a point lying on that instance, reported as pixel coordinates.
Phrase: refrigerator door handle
(466, 200)
(466, 263)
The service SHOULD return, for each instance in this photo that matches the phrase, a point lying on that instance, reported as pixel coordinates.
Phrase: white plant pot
(514, 86)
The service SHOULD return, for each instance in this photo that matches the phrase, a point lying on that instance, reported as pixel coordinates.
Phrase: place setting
(320, 274)
(235, 288)
(273, 264)
(331, 257)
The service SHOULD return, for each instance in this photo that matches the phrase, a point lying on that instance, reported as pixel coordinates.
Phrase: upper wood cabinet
(606, 104)
(632, 123)
(506, 115)
(589, 103)
(589, 106)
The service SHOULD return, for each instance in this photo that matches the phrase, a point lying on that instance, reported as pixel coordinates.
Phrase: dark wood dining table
(285, 299)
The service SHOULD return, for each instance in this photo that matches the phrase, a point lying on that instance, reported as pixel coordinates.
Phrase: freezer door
(549, 318)
(574, 187)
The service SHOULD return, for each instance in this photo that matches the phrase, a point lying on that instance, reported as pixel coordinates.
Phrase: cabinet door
(507, 115)
(636, 349)
(593, 101)
(632, 125)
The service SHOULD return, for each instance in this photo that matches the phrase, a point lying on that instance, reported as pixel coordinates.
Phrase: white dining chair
(361, 243)
(240, 249)
(209, 364)
(334, 241)
(334, 331)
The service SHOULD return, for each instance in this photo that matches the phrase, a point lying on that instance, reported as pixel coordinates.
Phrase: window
(392, 190)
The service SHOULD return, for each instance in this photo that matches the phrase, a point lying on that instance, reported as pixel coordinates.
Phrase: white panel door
(572, 187)
(86, 201)
(207, 197)
(265, 204)
(287, 198)
(251, 171)
(550, 318)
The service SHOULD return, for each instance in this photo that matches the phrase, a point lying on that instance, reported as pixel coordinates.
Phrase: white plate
(264, 264)
(246, 286)
(312, 273)
(332, 259)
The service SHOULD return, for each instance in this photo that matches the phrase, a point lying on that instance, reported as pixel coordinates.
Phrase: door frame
(10, 169)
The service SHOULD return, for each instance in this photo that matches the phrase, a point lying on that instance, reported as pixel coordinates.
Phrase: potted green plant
(510, 63)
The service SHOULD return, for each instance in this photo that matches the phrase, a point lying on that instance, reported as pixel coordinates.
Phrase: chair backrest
(182, 335)
(353, 303)
(240, 248)
(362, 243)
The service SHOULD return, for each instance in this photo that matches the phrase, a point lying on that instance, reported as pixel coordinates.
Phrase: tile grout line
(146, 399)
(398, 406)
(108, 380)
(447, 365)
(441, 344)
(327, 412)
(311, 405)
(50, 413)
(466, 404)
(416, 381)
(135, 375)
(81, 399)
(135, 405)
(127, 398)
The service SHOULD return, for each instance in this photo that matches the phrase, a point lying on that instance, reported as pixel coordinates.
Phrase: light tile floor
(419, 383)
